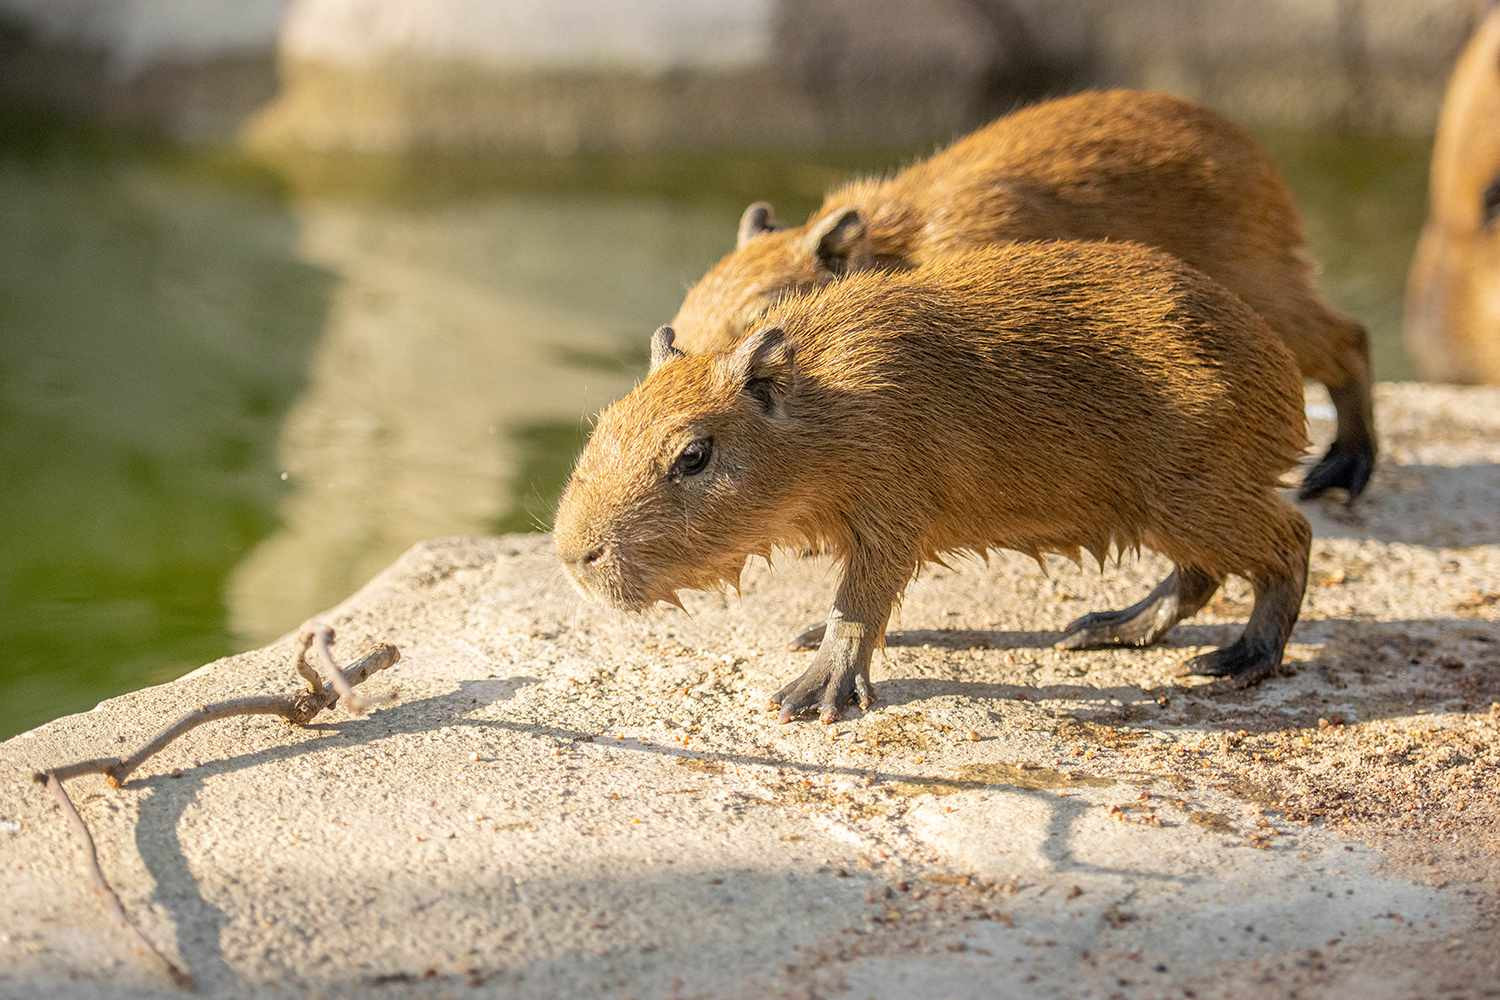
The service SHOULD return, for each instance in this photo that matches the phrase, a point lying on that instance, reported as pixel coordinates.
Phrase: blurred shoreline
(511, 78)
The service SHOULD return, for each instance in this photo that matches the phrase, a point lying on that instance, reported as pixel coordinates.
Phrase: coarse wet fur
(1453, 291)
(1116, 165)
(1044, 397)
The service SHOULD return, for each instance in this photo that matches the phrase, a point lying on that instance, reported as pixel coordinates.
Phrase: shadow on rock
(199, 924)
(1441, 506)
(970, 639)
(1363, 670)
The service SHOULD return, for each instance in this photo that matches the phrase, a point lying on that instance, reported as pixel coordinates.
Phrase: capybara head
(1453, 293)
(769, 261)
(680, 475)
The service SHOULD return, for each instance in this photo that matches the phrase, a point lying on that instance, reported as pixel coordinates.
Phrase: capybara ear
(758, 218)
(662, 350)
(764, 364)
(835, 237)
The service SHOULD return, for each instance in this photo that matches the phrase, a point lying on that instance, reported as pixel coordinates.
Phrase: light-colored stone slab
(570, 802)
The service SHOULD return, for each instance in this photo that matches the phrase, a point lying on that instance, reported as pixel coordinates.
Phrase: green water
(229, 392)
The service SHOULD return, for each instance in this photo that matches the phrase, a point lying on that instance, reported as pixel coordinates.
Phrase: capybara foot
(1100, 629)
(1346, 467)
(1257, 653)
(1146, 621)
(808, 639)
(1242, 663)
(826, 686)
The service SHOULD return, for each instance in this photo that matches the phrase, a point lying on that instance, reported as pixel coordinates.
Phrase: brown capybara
(1043, 397)
(1453, 291)
(1115, 165)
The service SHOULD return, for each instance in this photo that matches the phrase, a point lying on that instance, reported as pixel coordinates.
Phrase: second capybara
(1453, 290)
(1042, 397)
(1115, 165)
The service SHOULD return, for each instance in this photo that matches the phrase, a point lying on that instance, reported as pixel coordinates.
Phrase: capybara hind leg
(1256, 654)
(1179, 596)
(1351, 457)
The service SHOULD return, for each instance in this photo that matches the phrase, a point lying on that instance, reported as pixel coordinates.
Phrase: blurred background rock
(287, 286)
(579, 75)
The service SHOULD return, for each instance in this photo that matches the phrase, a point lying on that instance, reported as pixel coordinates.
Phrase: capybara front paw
(1345, 467)
(825, 688)
(1242, 664)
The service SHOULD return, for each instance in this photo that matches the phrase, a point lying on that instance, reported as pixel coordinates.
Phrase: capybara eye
(694, 458)
(1491, 205)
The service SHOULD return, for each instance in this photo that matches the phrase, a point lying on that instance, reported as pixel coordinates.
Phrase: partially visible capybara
(1043, 397)
(1116, 165)
(1453, 292)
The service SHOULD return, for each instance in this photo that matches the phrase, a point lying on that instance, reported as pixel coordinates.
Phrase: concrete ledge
(565, 802)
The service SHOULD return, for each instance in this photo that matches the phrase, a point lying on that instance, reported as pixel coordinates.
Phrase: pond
(231, 391)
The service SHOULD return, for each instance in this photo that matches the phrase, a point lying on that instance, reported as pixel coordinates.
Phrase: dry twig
(304, 642)
(106, 892)
(297, 709)
(322, 639)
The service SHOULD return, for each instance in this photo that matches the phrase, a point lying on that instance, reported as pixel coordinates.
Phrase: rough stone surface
(568, 802)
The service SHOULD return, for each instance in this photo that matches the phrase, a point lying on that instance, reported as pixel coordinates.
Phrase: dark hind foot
(1257, 653)
(1132, 626)
(1181, 594)
(1244, 662)
(1346, 467)
(1351, 459)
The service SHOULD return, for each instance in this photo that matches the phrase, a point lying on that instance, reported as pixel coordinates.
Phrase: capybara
(1042, 397)
(1453, 292)
(1115, 165)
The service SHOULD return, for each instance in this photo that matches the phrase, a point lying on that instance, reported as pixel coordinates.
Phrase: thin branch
(297, 709)
(322, 637)
(304, 642)
(106, 891)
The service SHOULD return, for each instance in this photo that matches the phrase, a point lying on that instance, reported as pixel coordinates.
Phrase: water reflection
(463, 345)
(155, 326)
(415, 346)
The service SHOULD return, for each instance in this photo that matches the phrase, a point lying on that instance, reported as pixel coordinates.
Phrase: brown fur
(1117, 165)
(1453, 292)
(1044, 397)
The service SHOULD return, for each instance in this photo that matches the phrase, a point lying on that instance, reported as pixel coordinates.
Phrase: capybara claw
(824, 690)
(1242, 664)
(802, 695)
(1092, 631)
(1344, 467)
